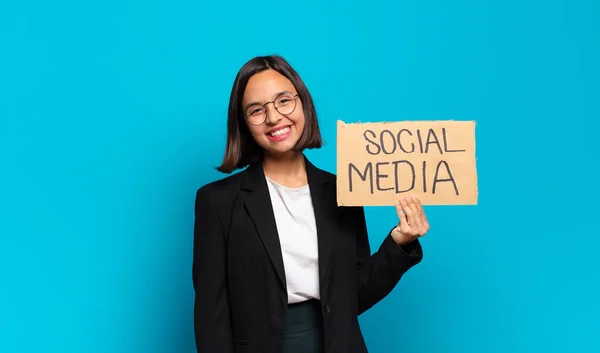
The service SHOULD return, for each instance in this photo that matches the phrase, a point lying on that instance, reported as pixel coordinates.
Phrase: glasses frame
(295, 97)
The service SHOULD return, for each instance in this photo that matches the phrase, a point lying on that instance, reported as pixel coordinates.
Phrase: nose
(273, 115)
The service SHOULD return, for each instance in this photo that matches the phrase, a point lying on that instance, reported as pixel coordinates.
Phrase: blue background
(112, 114)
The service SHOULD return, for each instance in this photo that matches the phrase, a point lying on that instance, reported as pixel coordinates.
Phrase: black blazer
(238, 273)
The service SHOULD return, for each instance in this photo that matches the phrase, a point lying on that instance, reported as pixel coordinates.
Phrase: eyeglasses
(285, 103)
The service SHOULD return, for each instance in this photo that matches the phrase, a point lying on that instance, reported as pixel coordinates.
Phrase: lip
(281, 137)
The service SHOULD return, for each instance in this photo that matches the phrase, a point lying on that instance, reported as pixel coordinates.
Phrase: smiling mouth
(279, 132)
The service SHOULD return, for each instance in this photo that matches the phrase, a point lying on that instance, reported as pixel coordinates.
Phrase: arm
(379, 273)
(211, 308)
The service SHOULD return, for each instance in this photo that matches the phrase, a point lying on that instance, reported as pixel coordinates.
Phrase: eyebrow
(258, 103)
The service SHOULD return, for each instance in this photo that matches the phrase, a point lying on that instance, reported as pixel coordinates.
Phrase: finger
(410, 213)
(417, 214)
(422, 213)
(408, 226)
(401, 214)
(406, 209)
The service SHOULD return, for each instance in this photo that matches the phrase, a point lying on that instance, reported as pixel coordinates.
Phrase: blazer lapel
(258, 205)
(321, 185)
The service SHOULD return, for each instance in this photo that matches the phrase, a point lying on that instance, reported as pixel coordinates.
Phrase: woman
(277, 265)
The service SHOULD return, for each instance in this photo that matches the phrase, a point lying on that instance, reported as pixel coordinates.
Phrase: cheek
(255, 131)
(298, 117)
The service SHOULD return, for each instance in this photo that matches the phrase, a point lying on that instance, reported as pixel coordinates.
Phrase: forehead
(265, 85)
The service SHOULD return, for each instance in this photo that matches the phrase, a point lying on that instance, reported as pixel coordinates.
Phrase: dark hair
(241, 149)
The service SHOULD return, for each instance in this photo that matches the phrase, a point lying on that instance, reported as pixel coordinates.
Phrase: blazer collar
(259, 207)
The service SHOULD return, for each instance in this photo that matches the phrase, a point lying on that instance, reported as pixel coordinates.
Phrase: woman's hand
(413, 222)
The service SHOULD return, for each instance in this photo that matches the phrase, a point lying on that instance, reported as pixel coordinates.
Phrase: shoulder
(221, 189)
(319, 175)
(328, 177)
(330, 180)
(223, 184)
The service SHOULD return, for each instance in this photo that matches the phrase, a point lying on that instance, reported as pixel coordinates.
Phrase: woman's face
(274, 113)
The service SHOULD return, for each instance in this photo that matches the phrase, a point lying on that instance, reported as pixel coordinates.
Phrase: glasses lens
(255, 114)
(285, 103)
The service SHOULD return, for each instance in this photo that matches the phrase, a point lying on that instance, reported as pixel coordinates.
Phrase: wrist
(399, 237)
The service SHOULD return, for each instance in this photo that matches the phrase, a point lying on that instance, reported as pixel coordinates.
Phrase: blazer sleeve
(380, 272)
(212, 326)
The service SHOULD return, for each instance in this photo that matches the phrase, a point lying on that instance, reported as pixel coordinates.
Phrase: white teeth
(280, 132)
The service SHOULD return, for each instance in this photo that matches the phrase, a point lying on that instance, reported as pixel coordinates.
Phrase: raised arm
(380, 272)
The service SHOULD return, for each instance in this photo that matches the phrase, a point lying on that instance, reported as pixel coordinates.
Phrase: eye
(254, 111)
(286, 99)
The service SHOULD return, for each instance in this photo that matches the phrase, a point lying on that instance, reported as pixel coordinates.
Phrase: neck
(288, 170)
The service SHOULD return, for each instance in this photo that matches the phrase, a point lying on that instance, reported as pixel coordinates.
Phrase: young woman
(278, 267)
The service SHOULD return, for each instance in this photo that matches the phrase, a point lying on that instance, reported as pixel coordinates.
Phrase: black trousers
(304, 328)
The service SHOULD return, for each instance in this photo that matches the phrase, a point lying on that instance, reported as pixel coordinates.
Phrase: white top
(297, 230)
